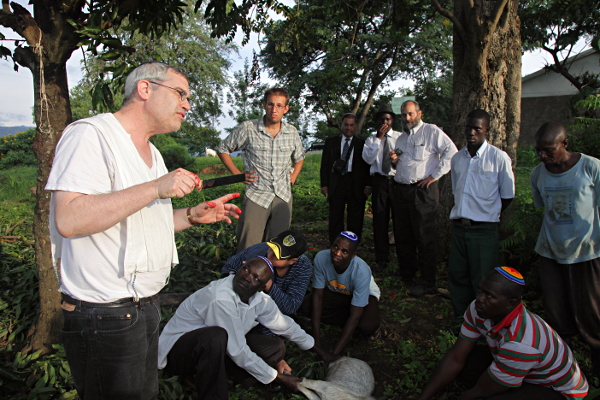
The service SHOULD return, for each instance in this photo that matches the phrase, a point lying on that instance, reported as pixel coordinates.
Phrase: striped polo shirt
(526, 349)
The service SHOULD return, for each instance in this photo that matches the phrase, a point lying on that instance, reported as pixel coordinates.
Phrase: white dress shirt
(480, 182)
(426, 151)
(218, 305)
(374, 149)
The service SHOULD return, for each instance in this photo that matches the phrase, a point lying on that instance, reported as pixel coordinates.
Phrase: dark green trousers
(474, 251)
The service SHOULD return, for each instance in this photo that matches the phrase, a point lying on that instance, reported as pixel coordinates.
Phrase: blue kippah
(349, 235)
(268, 263)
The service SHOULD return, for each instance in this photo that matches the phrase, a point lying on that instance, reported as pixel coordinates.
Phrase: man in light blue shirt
(483, 185)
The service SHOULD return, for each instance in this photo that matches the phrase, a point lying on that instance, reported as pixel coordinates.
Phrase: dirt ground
(405, 320)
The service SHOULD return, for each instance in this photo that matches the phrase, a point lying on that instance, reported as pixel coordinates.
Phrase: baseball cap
(288, 244)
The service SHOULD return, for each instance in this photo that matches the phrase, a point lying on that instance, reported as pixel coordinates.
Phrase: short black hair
(353, 243)
(480, 114)
(510, 289)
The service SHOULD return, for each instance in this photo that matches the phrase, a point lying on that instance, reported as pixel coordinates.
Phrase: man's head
(476, 127)
(252, 277)
(411, 113)
(343, 250)
(157, 96)
(384, 115)
(285, 248)
(559, 203)
(500, 292)
(275, 103)
(348, 127)
(551, 143)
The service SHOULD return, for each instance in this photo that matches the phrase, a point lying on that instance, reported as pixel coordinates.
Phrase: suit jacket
(360, 169)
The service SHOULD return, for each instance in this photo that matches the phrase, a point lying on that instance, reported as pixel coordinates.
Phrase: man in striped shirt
(528, 359)
(273, 157)
(292, 271)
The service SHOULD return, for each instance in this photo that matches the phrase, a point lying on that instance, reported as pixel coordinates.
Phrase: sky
(16, 101)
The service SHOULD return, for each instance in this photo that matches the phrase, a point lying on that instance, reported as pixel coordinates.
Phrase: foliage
(16, 150)
(434, 95)
(174, 154)
(586, 130)
(556, 26)
(340, 55)
(245, 96)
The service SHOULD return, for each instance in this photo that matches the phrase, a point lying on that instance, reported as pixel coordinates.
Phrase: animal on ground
(347, 379)
(210, 153)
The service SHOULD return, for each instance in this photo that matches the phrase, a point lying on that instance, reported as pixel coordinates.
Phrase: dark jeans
(415, 227)
(477, 363)
(113, 351)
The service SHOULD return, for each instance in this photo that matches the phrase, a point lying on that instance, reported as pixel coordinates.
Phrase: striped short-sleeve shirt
(527, 349)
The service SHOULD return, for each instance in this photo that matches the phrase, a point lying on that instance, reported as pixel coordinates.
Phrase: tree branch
(20, 21)
(496, 14)
(559, 68)
(459, 28)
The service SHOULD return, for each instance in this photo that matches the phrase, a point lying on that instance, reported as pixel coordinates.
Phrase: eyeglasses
(277, 106)
(182, 93)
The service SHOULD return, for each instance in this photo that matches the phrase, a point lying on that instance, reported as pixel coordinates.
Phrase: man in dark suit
(346, 184)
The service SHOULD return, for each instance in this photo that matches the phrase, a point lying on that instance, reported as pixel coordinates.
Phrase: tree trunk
(487, 75)
(51, 40)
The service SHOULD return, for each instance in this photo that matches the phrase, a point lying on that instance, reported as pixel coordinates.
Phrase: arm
(290, 299)
(452, 363)
(446, 148)
(228, 163)
(78, 214)
(208, 212)
(234, 263)
(505, 203)
(348, 329)
(317, 310)
(297, 168)
(370, 150)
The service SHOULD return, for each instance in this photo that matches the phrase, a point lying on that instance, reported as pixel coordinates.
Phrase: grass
(409, 353)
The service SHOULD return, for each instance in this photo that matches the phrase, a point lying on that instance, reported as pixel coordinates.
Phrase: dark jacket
(360, 169)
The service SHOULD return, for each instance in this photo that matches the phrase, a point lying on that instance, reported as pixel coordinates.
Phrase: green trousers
(473, 252)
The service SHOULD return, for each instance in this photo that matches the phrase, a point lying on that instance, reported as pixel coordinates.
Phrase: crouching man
(526, 360)
(211, 325)
(344, 293)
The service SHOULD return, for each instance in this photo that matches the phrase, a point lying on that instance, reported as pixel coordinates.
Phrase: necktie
(345, 155)
(386, 163)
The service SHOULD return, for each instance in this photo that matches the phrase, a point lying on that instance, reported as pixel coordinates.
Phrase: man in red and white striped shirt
(528, 359)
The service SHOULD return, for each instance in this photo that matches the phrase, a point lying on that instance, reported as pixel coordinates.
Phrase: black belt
(469, 222)
(386, 177)
(128, 301)
(407, 184)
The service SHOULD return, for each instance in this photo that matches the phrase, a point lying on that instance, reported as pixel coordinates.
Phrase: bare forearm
(297, 168)
(228, 162)
(79, 215)
(347, 331)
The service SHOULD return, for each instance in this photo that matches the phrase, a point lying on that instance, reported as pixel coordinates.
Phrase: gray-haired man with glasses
(273, 157)
(112, 229)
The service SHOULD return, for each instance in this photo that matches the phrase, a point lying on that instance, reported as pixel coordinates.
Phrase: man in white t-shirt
(567, 184)
(112, 230)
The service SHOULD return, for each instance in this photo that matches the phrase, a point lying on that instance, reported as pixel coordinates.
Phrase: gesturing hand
(216, 210)
(177, 183)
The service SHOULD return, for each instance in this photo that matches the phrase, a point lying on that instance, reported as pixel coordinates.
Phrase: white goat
(210, 153)
(347, 379)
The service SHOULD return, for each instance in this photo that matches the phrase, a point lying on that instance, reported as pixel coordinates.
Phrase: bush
(17, 150)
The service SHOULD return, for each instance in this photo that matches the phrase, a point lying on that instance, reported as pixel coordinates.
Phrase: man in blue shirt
(344, 292)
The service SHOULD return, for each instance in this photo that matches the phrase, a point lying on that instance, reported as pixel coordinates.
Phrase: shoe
(376, 337)
(421, 290)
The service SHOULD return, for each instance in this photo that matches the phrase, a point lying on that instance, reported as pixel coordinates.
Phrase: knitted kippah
(349, 235)
(511, 274)
(268, 263)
